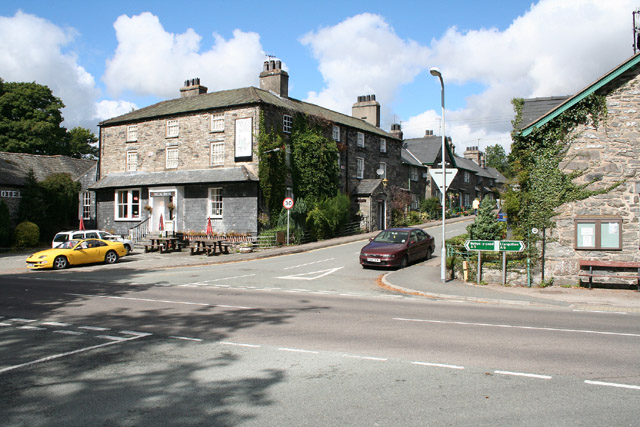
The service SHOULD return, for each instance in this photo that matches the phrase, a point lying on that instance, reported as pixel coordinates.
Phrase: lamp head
(435, 72)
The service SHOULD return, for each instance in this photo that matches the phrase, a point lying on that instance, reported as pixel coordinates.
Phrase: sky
(106, 58)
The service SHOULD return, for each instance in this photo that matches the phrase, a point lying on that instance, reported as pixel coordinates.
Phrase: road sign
(287, 203)
(436, 174)
(495, 245)
(502, 217)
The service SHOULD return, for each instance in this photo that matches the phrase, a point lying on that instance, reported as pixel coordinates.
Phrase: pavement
(422, 279)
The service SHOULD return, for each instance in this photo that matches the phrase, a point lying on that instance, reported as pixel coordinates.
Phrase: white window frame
(173, 128)
(336, 133)
(414, 173)
(132, 161)
(132, 133)
(359, 167)
(383, 166)
(215, 203)
(415, 202)
(217, 153)
(86, 205)
(171, 158)
(383, 145)
(217, 122)
(467, 177)
(287, 123)
(360, 140)
(125, 208)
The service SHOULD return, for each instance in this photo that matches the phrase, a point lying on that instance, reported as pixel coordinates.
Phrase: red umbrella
(161, 225)
(209, 228)
(81, 226)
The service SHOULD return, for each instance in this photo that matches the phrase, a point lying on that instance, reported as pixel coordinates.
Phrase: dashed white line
(66, 332)
(629, 386)
(236, 344)
(163, 301)
(185, 338)
(31, 328)
(136, 333)
(438, 365)
(94, 328)
(297, 350)
(114, 338)
(354, 356)
(21, 320)
(56, 324)
(524, 374)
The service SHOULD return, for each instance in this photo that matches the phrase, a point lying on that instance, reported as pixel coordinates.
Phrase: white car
(64, 236)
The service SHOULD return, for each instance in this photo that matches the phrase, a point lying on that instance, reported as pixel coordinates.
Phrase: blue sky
(105, 58)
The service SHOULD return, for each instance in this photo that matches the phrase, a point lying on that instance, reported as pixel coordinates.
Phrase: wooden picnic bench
(164, 244)
(210, 247)
(610, 269)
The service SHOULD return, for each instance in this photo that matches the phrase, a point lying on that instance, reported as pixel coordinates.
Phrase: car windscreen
(392, 237)
(61, 237)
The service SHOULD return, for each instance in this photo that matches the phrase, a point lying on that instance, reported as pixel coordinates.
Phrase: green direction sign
(495, 245)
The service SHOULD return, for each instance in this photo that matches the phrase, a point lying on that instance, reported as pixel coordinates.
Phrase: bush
(328, 216)
(431, 206)
(27, 235)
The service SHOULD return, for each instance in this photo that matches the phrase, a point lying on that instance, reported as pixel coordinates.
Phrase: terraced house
(180, 162)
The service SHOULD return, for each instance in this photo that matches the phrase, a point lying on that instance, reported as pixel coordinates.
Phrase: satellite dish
(380, 172)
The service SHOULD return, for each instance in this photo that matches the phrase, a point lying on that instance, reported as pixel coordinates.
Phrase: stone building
(178, 163)
(605, 226)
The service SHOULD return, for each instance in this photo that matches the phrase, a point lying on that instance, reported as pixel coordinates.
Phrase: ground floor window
(128, 204)
(598, 233)
(215, 202)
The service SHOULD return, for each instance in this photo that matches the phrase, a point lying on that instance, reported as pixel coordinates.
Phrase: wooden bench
(211, 247)
(611, 269)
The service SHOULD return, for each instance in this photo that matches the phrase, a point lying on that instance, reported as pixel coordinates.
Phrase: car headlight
(387, 256)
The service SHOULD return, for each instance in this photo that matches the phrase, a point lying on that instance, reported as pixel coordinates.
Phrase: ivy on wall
(273, 169)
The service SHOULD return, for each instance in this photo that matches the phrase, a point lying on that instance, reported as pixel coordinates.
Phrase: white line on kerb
(524, 374)
(297, 350)
(60, 355)
(437, 365)
(633, 387)
(583, 331)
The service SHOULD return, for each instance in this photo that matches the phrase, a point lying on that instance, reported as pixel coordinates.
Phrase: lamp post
(443, 254)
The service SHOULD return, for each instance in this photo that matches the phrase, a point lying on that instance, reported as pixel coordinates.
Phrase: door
(382, 223)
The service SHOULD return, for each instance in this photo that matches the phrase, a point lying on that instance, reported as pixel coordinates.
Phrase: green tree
(486, 226)
(61, 201)
(314, 161)
(82, 143)
(32, 204)
(30, 119)
(496, 157)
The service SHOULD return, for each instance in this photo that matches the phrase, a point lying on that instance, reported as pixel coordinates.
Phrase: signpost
(288, 204)
(436, 174)
(503, 246)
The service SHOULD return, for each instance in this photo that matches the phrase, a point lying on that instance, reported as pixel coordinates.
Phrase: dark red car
(397, 247)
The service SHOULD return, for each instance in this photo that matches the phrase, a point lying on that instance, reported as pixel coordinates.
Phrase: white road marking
(136, 333)
(114, 338)
(238, 344)
(19, 319)
(311, 275)
(94, 328)
(354, 356)
(31, 328)
(524, 374)
(207, 282)
(56, 324)
(601, 311)
(583, 331)
(65, 332)
(60, 355)
(297, 350)
(6, 324)
(629, 386)
(185, 338)
(438, 365)
(163, 301)
(309, 263)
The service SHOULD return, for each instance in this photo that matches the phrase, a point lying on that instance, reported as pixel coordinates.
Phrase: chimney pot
(373, 97)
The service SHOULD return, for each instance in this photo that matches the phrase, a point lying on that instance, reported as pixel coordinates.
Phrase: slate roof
(367, 186)
(426, 149)
(196, 176)
(535, 108)
(408, 158)
(14, 167)
(239, 97)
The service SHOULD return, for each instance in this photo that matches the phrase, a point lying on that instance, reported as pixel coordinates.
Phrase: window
(467, 176)
(598, 233)
(360, 141)
(217, 123)
(383, 145)
(414, 173)
(128, 204)
(287, 123)
(466, 199)
(359, 167)
(86, 205)
(336, 133)
(132, 133)
(172, 158)
(217, 154)
(215, 202)
(383, 168)
(132, 161)
(173, 128)
(415, 205)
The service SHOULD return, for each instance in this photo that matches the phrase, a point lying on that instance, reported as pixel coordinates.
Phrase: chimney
(396, 130)
(192, 88)
(428, 132)
(367, 109)
(273, 78)
(474, 154)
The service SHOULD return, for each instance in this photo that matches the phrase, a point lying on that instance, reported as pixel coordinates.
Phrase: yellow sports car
(75, 252)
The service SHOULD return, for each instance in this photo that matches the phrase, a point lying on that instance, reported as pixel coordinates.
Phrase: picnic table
(210, 247)
(164, 244)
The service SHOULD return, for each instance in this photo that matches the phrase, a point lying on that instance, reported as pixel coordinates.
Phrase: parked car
(65, 236)
(397, 247)
(76, 252)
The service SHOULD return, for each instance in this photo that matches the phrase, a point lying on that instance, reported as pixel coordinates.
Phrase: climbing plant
(272, 167)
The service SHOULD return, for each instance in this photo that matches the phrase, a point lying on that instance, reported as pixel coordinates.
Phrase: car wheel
(128, 248)
(404, 262)
(428, 256)
(111, 257)
(60, 263)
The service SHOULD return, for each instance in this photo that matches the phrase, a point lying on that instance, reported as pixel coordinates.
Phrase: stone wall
(610, 154)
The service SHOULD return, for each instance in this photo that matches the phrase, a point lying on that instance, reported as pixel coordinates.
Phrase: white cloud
(107, 109)
(32, 49)
(354, 59)
(151, 61)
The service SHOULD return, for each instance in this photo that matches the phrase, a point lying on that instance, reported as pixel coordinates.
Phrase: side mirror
(371, 239)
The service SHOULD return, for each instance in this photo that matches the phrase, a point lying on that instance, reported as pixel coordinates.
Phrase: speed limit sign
(287, 203)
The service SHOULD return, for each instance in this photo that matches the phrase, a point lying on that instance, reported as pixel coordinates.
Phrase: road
(305, 339)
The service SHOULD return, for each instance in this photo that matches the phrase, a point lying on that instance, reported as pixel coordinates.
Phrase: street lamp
(443, 254)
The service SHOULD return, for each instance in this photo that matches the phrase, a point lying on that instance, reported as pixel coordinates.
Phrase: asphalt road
(305, 339)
